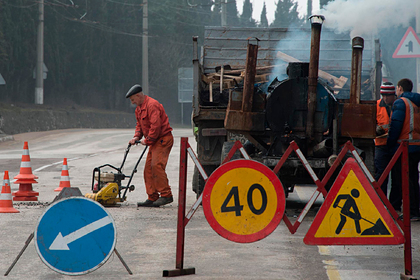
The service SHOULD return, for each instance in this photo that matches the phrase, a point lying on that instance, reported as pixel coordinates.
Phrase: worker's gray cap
(133, 90)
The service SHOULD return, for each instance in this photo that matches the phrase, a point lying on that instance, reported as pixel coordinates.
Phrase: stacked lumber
(227, 78)
(232, 78)
(230, 81)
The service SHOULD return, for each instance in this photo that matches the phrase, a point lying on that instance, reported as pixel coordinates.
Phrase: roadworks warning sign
(353, 214)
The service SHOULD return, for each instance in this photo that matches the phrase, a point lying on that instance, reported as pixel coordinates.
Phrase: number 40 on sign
(243, 201)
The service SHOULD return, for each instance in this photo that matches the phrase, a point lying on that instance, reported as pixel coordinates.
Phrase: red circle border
(244, 163)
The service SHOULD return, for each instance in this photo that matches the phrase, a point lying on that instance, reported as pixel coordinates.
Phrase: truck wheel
(197, 182)
(370, 158)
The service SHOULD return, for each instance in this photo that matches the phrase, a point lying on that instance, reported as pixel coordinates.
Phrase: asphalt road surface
(146, 237)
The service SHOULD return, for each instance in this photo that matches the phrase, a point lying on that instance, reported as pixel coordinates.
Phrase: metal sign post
(182, 220)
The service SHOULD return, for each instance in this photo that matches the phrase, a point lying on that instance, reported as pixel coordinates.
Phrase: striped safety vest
(411, 126)
(382, 119)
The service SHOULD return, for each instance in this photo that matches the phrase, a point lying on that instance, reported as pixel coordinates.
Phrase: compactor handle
(137, 142)
(126, 153)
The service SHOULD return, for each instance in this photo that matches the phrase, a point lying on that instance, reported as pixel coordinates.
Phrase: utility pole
(224, 12)
(145, 56)
(39, 87)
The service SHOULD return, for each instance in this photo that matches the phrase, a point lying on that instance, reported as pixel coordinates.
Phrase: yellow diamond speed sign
(243, 201)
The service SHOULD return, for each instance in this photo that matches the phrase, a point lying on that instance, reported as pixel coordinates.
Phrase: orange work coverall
(153, 125)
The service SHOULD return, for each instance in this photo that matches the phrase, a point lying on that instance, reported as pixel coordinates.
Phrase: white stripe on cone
(6, 196)
(25, 164)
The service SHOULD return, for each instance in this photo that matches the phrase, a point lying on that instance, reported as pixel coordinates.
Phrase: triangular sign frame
(331, 217)
(415, 45)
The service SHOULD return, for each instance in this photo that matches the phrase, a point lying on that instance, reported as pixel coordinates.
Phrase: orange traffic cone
(6, 203)
(65, 178)
(25, 179)
(6, 178)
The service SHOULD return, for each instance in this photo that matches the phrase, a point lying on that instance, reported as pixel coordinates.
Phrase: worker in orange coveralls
(154, 131)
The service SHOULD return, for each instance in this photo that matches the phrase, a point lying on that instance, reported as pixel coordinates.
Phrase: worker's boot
(162, 201)
(147, 203)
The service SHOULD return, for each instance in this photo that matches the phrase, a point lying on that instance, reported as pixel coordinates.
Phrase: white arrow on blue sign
(75, 236)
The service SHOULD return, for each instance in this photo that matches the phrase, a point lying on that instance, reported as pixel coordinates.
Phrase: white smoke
(366, 17)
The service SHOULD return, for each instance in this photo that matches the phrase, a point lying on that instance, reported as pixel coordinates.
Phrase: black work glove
(380, 130)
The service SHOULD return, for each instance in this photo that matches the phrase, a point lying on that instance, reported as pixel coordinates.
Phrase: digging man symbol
(350, 210)
(346, 210)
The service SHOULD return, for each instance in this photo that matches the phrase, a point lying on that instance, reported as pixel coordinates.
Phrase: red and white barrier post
(180, 238)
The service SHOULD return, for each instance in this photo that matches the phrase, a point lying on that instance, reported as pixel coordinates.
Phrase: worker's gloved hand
(380, 130)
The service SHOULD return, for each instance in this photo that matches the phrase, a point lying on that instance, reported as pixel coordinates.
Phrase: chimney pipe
(356, 70)
(316, 25)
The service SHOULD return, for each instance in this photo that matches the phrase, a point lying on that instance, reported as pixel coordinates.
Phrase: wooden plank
(206, 78)
(221, 78)
(211, 92)
(262, 78)
(229, 83)
(217, 76)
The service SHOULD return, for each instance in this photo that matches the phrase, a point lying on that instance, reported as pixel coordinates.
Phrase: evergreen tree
(246, 16)
(18, 28)
(3, 44)
(170, 45)
(263, 18)
(93, 49)
(286, 14)
(232, 13)
(322, 3)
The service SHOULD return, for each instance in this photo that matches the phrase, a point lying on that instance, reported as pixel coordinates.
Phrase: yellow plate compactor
(107, 187)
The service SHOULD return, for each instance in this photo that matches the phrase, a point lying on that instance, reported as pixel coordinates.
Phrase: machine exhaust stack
(358, 117)
(356, 70)
(316, 25)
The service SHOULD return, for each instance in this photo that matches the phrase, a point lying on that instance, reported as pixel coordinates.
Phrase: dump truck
(270, 86)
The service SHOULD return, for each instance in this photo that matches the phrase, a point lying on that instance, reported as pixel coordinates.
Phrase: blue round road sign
(75, 236)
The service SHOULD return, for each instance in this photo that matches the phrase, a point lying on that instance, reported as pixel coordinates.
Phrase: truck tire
(370, 158)
(366, 151)
(197, 182)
